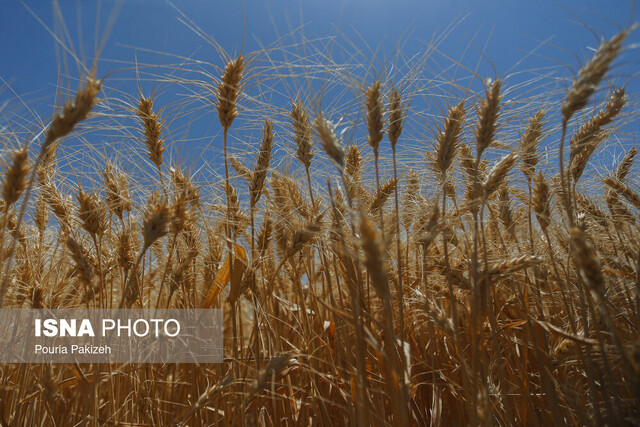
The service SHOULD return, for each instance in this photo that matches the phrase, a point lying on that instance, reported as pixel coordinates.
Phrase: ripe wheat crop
(378, 262)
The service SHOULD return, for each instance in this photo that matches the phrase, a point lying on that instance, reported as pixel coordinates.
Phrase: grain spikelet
(152, 130)
(264, 236)
(15, 181)
(302, 134)
(179, 214)
(624, 190)
(582, 159)
(619, 212)
(394, 130)
(529, 144)
(506, 213)
(262, 164)
(488, 117)
(560, 193)
(375, 116)
(374, 257)
(155, 223)
(467, 160)
(117, 191)
(329, 140)
(497, 174)
(382, 195)
(125, 249)
(591, 74)
(46, 169)
(589, 207)
(625, 164)
(591, 130)
(303, 235)
(448, 140)
(183, 184)
(60, 206)
(41, 215)
(228, 91)
(73, 112)
(514, 264)
(353, 163)
(235, 275)
(242, 171)
(430, 227)
(542, 201)
(286, 196)
(92, 213)
(81, 260)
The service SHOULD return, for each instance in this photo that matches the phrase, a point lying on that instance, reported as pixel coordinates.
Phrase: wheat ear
(488, 117)
(529, 144)
(448, 141)
(262, 164)
(329, 140)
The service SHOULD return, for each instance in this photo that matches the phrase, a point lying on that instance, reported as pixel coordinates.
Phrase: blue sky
(515, 27)
(559, 33)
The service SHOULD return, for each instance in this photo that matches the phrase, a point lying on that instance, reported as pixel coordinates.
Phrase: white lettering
(135, 327)
(177, 327)
(105, 328)
(86, 329)
(63, 328)
(127, 327)
(50, 327)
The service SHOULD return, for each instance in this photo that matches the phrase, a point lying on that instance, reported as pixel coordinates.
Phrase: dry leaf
(223, 276)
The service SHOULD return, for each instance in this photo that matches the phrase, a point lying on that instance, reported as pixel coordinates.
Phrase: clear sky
(560, 33)
(514, 27)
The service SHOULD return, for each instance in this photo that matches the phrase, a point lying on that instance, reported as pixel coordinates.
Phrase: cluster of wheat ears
(482, 289)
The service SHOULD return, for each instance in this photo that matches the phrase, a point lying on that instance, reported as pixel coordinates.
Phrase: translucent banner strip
(111, 336)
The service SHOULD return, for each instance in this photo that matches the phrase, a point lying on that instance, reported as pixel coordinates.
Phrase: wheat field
(473, 263)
